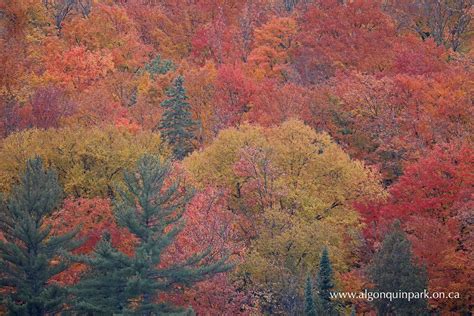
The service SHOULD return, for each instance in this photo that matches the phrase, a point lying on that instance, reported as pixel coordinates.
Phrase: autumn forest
(236, 157)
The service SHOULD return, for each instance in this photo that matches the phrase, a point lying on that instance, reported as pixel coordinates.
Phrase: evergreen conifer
(310, 308)
(393, 271)
(176, 125)
(29, 254)
(326, 284)
(151, 207)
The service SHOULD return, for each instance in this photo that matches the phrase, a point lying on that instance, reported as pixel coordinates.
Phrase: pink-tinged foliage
(390, 82)
(92, 217)
(210, 226)
(432, 200)
(233, 96)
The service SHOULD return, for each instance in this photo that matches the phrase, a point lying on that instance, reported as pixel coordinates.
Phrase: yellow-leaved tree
(89, 161)
(297, 188)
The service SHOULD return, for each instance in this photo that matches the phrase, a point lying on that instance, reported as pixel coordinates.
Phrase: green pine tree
(310, 308)
(393, 270)
(29, 255)
(151, 207)
(353, 311)
(103, 288)
(325, 284)
(176, 125)
(159, 66)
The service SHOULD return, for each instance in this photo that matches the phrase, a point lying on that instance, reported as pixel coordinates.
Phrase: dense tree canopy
(296, 187)
(303, 125)
(88, 161)
(30, 256)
